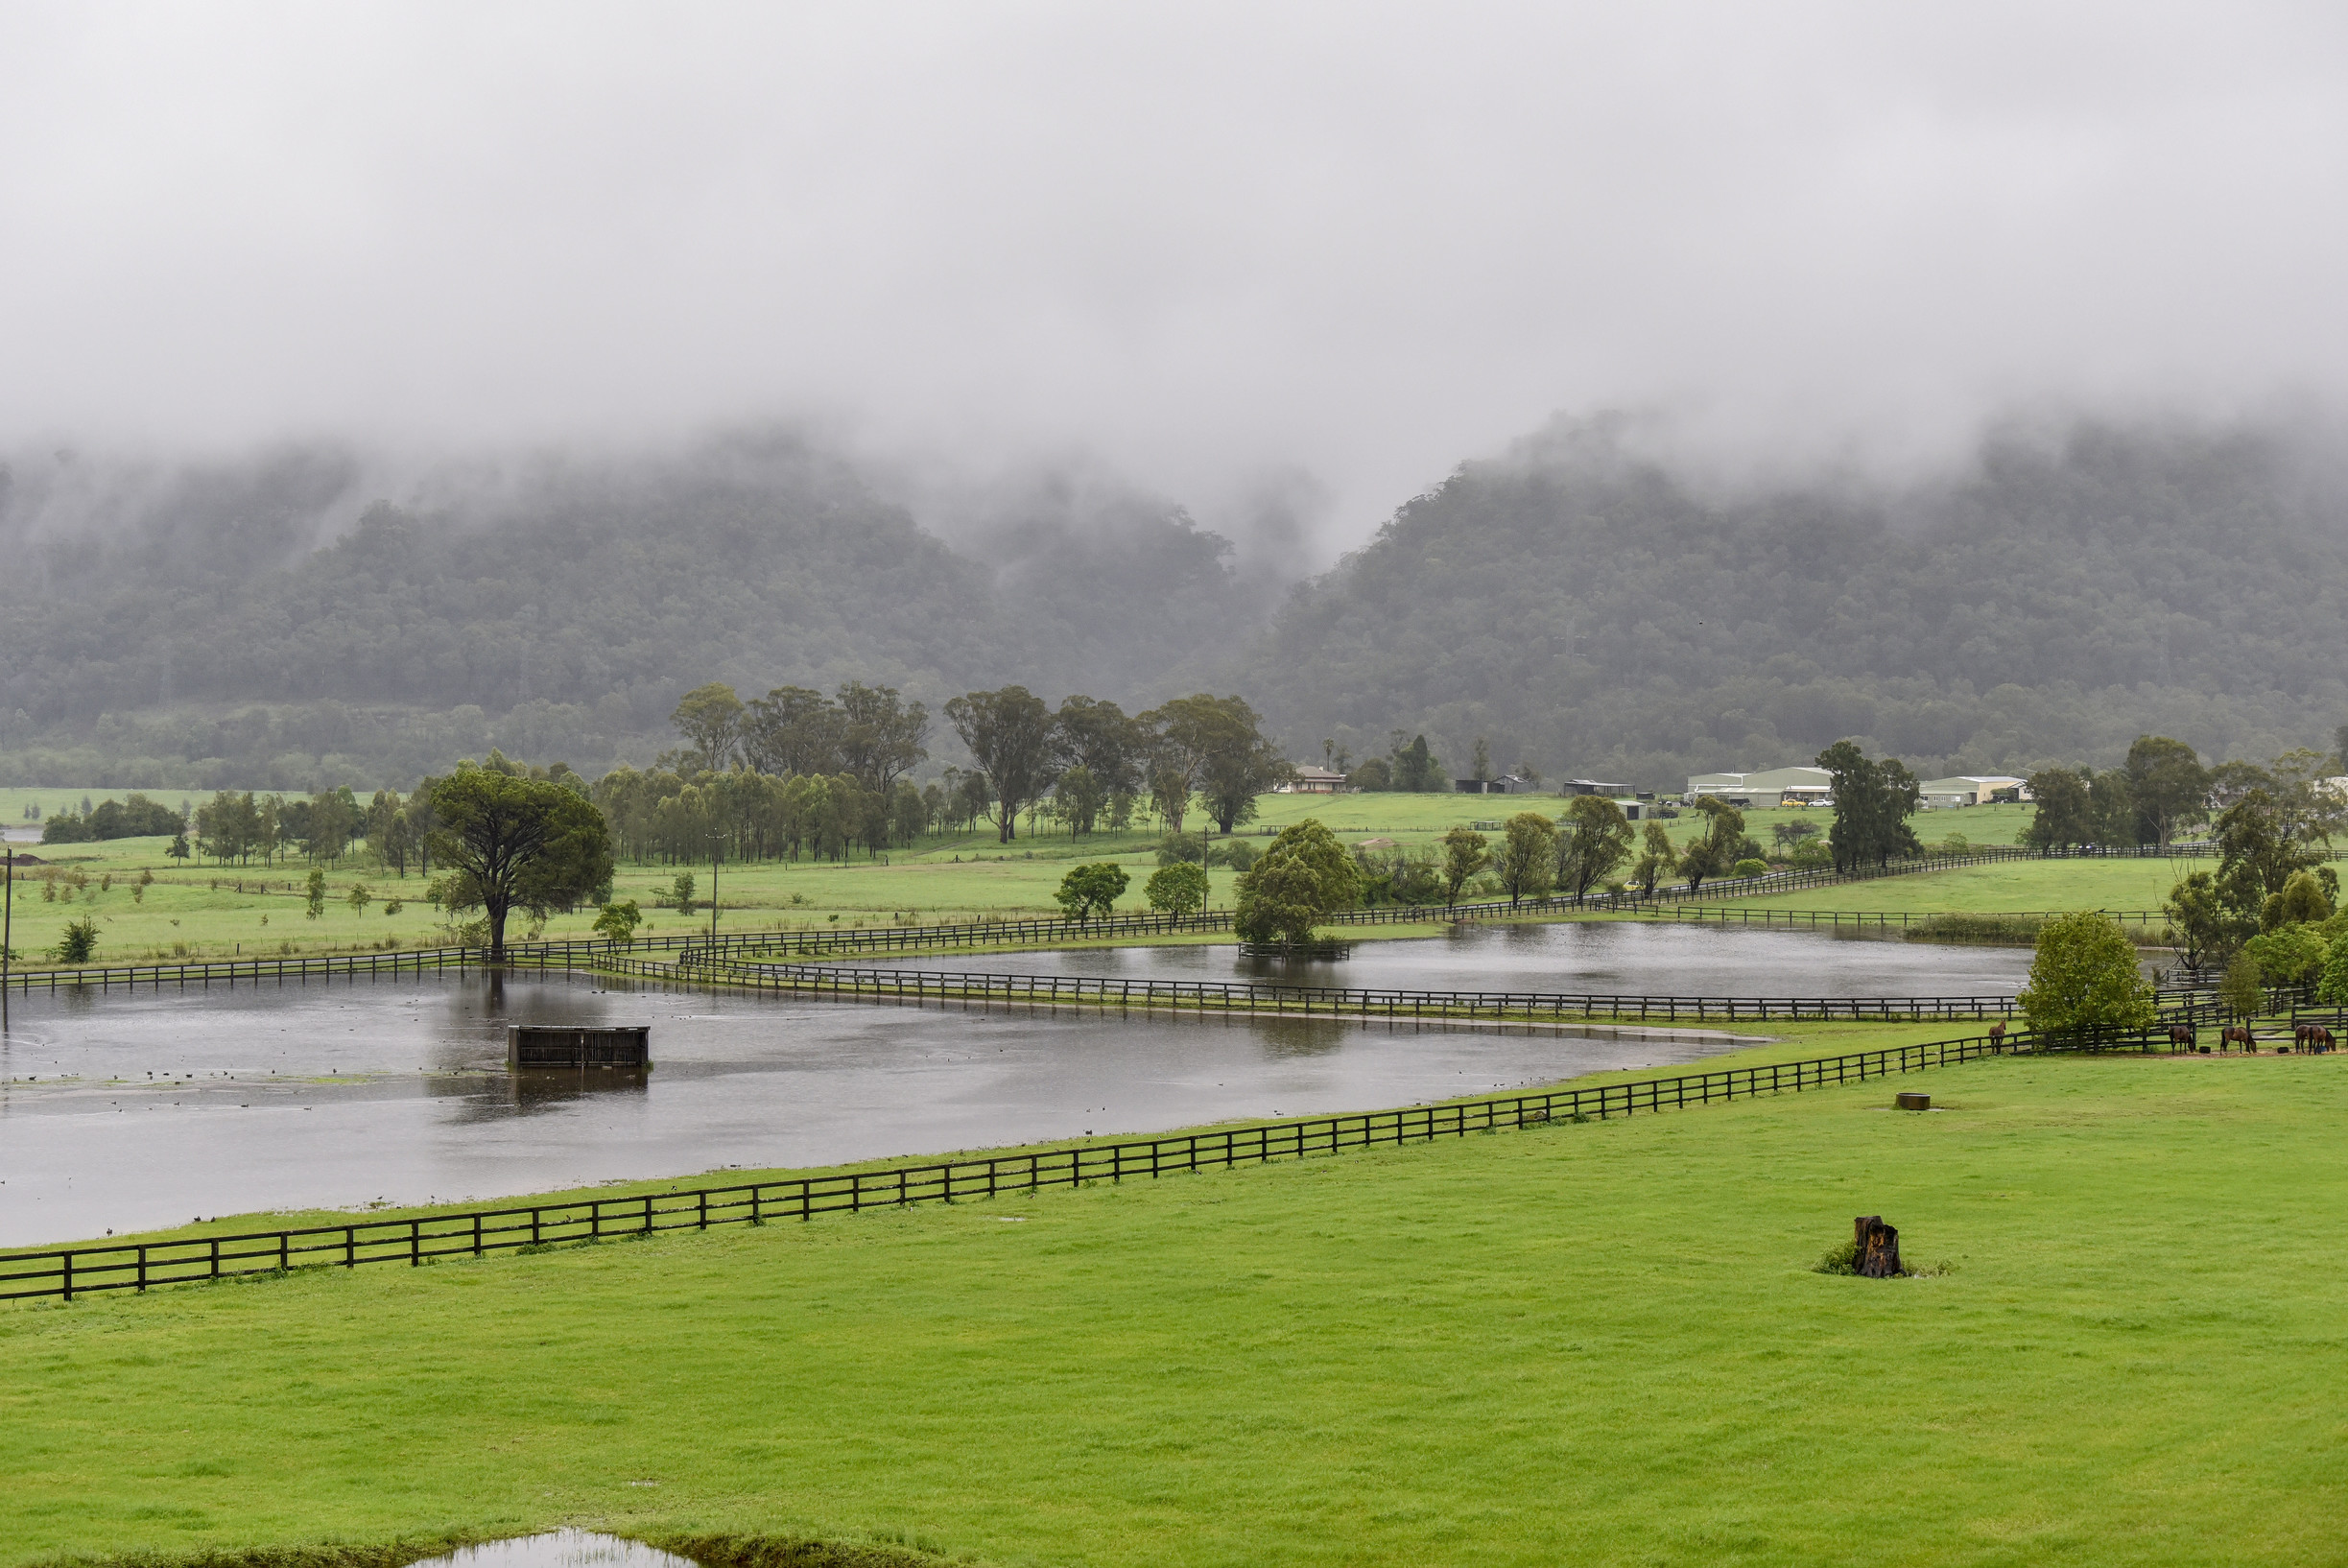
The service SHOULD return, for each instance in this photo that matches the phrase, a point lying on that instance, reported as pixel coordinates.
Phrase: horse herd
(2308, 1037)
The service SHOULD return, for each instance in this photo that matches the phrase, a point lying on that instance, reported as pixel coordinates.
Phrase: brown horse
(2237, 1034)
(2183, 1034)
(1997, 1032)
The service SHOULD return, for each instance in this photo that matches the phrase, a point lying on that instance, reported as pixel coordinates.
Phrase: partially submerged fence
(826, 980)
(138, 1266)
(1884, 921)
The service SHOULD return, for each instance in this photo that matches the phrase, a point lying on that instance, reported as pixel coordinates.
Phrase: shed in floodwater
(568, 1045)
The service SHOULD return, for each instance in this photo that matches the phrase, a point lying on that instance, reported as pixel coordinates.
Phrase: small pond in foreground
(559, 1548)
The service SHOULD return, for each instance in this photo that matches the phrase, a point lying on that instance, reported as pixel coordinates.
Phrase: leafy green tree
(1792, 835)
(2084, 979)
(2261, 842)
(315, 901)
(528, 844)
(1527, 856)
(1712, 853)
(2063, 814)
(2240, 991)
(680, 893)
(1302, 879)
(2289, 954)
(880, 735)
(1099, 738)
(1465, 852)
(1010, 736)
(387, 831)
(1090, 891)
(2205, 925)
(359, 897)
(179, 846)
(1218, 746)
(1080, 798)
(794, 732)
(710, 720)
(1595, 840)
(1414, 770)
(2332, 984)
(1657, 858)
(616, 923)
(2112, 807)
(1372, 776)
(2303, 900)
(77, 942)
(1179, 888)
(2170, 787)
(1749, 868)
(1873, 802)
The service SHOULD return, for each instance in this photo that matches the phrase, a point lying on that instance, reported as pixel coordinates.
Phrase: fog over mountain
(385, 381)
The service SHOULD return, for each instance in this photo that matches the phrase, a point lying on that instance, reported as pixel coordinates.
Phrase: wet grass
(1581, 1344)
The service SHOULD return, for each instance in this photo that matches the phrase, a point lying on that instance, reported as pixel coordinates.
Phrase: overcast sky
(1332, 250)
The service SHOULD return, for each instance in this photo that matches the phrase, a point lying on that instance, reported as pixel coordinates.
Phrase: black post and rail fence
(561, 954)
(417, 1240)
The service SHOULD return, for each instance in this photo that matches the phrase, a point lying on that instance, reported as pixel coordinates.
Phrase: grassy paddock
(1580, 1344)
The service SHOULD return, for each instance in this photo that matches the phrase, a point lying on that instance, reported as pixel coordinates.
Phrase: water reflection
(1607, 958)
(137, 1110)
(559, 1548)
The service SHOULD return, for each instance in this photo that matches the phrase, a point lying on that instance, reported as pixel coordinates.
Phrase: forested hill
(237, 625)
(1587, 611)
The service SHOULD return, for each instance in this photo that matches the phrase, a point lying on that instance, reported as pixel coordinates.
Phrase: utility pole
(713, 896)
(8, 935)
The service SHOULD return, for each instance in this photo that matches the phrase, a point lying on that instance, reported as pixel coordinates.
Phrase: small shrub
(1749, 868)
(79, 941)
(1842, 1259)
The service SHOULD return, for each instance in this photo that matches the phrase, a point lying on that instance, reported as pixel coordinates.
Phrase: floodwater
(559, 1548)
(1604, 958)
(129, 1111)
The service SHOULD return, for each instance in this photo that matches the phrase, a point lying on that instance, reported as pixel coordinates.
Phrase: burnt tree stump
(1878, 1254)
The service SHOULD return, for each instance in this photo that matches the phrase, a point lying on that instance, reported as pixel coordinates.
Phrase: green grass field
(1594, 1344)
(196, 909)
(2009, 887)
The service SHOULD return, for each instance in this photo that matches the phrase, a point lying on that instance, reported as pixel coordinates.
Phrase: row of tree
(1090, 757)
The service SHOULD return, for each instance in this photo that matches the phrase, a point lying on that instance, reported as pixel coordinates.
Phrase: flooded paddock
(1597, 956)
(128, 1112)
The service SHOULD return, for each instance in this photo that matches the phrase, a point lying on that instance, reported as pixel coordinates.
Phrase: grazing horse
(2183, 1034)
(2322, 1040)
(2237, 1034)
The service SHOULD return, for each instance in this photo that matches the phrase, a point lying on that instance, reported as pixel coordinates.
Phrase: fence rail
(2178, 1003)
(421, 1239)
(1878, 921)
(562, 953)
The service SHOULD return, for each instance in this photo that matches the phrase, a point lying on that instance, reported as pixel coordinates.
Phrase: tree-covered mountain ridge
(272, 623)
(1595, 612)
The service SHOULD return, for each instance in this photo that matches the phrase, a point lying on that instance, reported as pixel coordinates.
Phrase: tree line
(796, 771)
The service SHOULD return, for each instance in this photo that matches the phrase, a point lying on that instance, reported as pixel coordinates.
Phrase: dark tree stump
(1879, 1247)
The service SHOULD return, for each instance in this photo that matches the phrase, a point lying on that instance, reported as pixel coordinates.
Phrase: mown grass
(2004, 887)
(1597, 1344)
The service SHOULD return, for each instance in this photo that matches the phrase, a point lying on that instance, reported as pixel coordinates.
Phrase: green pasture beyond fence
(561, 954)
(139, 1266)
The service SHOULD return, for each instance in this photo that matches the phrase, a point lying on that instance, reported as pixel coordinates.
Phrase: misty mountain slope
(1588, 612)
(570, 606)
